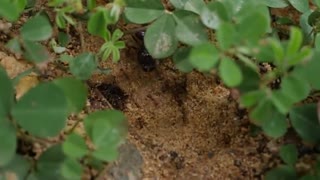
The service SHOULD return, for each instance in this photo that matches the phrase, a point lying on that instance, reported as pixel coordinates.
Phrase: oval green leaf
(71, 169)
(42, 110)
(8, 142)
(6, 94)
(181, 59)
(35, 52)
(189, 29)
(109, 130)
(230, 72)
(305, 122)
(75, 146)
(204, 57)
(141, 12)
(75, 92)
(289, 154)
(160, 38)
(83, 65)
(37, 28)
(300, 5)
(49, 164)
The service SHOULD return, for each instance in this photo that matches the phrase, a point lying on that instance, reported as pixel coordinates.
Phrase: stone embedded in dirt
(114, 94)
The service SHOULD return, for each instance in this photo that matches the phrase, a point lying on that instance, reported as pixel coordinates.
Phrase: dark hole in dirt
(241, 112)
(176, 159)
(114, 94)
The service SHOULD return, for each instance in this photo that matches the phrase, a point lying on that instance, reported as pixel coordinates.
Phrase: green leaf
(278, 51)
(251, 98)
(116, 35)
(276, 126)
(294, 42)
(189, 29)
(266, 115)
(194, 6)
(281, 101)
(35, 52)
(276, 3)
(226, 35)
(251, 79)
(18, 167)
(204, 57)
(265, 53)
(181, 59)
(71, 169)
(109, 130)
(253, 26)
(8, 141)
(313, 18)
(230, 72)
(305, 27)
(300, 5)
(42, 110)
(160, 38)
(289, 154)
(305, 122)
(14, 46)
(281, 172)
(83, 65)
(317, 42)
(49, 164)
(105, 128)
(60, 21)
(75, 92)
(91, 4)
(178, 4)
(295, 88)
(106, 153)
(98, 22)
(141, 12)
(115, 55)
(75, 146)
(6, 94)
(9, 10)
(309, 70)
(37, 28)
(63, 38)
(302, 56)
(210, 17)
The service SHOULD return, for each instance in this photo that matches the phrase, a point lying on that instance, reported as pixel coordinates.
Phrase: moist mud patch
(113, 94)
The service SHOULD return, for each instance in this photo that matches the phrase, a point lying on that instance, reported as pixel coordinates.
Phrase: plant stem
(74, 125)
(247, 61)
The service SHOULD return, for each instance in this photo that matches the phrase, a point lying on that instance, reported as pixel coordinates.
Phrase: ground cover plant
(226, 38)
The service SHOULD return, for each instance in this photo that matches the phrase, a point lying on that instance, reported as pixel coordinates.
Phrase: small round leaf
(75, 92)
(42, 110)
(37, 28)
(160, 38)
(230, 72)
(204, 57)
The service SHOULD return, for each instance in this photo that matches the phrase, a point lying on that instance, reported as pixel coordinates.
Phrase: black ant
(145, 60)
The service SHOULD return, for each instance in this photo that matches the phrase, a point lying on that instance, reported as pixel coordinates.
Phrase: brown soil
(181, 126)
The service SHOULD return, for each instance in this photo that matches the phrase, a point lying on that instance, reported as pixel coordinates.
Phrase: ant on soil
(145, 60)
